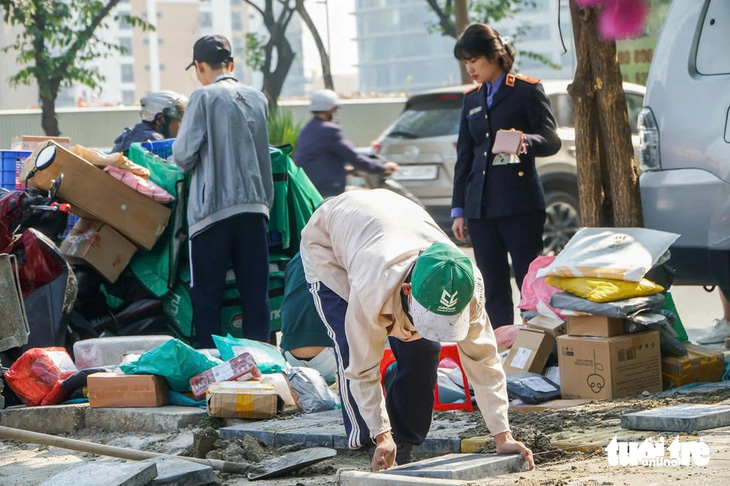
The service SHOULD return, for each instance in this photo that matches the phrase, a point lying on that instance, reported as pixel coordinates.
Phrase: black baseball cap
(212, 49)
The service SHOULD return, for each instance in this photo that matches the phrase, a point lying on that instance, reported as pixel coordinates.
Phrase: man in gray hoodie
(223, 143)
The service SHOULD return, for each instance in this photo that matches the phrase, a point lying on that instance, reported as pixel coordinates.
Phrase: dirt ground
(29, 464)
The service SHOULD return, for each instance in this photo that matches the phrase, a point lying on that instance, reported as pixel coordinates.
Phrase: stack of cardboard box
(116, 220)
(597, 360)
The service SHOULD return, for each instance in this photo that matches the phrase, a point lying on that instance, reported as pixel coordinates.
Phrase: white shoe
(717, 334)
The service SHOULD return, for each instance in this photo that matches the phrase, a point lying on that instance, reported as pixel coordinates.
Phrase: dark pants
(411, 395)
(242, 241)
(521, 237)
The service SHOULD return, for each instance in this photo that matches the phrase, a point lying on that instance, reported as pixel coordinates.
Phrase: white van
(684, 132)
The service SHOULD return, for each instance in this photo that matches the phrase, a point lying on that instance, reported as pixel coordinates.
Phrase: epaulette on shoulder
(473, 88)
(527, 79)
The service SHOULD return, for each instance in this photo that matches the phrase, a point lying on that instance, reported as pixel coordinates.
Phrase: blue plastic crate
(161, 148)
(11, 165)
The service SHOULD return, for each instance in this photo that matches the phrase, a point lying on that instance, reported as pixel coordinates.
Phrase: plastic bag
(174, 360)
(101, 159)
(531, 387)
(620, 309)
(604, 290)
(36, 376)
(309, 390)
(614, 253)
(107, 351)
(268, 358)
(140, 184)
(535, 290)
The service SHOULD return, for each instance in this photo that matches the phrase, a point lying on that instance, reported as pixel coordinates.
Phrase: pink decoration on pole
(622, 18)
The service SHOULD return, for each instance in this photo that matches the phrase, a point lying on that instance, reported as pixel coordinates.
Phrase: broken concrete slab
(360, 478)
(293, 461)
(52, 419)
(462, 466)
(155, 419)
(113, 474)
(678, 418)
(178, 472)
(326, 429)
(549, 405)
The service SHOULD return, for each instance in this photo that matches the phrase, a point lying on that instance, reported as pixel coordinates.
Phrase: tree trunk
(608, 177)
(324, 56)
(49, 122)
(461, 20)
(274, 80)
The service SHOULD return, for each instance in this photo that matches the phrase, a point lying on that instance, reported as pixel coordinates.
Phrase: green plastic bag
(678, 326)
(268, 358)
(174, 360)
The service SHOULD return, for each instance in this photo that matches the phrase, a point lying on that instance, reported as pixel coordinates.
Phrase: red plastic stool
(447, 351)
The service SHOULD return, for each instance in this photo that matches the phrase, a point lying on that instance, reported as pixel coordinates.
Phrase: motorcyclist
(161, 113)
(322, 150)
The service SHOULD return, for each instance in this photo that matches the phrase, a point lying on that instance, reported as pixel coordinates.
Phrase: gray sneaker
(719, 332)
(403, 453)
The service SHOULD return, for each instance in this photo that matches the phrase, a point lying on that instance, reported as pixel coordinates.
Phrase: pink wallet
(507, 142)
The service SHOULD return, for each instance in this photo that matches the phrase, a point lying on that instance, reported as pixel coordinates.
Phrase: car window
(565, 117)
(713, 56)
(428, 117)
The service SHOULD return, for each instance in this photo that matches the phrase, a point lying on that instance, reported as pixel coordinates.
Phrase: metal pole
(327, 18)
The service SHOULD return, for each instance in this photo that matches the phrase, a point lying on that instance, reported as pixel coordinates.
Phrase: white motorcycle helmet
(168, 103)
(324, 100)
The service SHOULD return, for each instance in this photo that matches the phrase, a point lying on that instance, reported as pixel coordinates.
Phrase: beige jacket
(362, 245)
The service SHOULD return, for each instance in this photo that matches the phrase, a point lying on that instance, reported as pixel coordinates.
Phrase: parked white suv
(685, 140)
(423, 140)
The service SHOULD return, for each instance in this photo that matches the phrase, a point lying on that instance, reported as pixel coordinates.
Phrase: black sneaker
(403, 453)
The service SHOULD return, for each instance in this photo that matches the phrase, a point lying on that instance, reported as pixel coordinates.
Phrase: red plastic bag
(534, 289)
(37, 375)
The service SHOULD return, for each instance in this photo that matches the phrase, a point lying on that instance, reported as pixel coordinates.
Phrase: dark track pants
(409, 400)
(241, 240)
(521, 237)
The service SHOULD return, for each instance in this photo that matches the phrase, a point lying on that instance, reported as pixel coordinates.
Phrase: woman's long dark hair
(482, 40)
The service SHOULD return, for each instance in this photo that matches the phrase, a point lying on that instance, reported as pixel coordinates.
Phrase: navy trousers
(410, 398)
(521, 237)
(240, 240)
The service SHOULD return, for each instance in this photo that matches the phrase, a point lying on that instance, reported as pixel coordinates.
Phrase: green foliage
(488, 12)
(59, 39)
(255, 54)
(282, 129)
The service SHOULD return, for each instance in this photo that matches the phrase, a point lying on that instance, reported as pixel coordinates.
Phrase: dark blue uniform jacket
(322, 152)
(141, 132)
(487, 191)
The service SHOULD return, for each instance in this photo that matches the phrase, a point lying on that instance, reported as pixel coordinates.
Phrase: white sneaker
(717, 334)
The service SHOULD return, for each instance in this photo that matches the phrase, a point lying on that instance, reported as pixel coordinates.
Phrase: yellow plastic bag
(604, 290)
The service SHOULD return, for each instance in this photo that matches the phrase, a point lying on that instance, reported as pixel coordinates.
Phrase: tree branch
(256, 7)
(86, 34)
(447, 25)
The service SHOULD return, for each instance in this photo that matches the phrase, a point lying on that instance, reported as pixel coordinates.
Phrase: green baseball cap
(442, 285)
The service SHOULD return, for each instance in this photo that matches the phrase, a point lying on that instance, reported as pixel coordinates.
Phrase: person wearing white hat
(322, 150)
(379, 267)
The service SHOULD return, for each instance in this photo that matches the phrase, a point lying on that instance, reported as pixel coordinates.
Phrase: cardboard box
(114, 390)
(242, 399)
(529, 352)
(700, 365)
(96, 195)
(30, 142)
(554, 328)
(612, 367)
(100, 246)
(241, 367)
(596, 326)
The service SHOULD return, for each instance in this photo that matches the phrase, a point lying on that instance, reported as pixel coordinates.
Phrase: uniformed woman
(499, 196)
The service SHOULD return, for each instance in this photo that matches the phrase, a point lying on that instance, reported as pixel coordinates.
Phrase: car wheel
(562, 220)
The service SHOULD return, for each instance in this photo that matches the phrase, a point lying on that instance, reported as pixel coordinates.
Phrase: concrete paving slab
(360, 478)
(178, 472)
(154, 419)
(462, 466)
(106, 474)
(326, 429)
(679, 418)
(52, 419)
